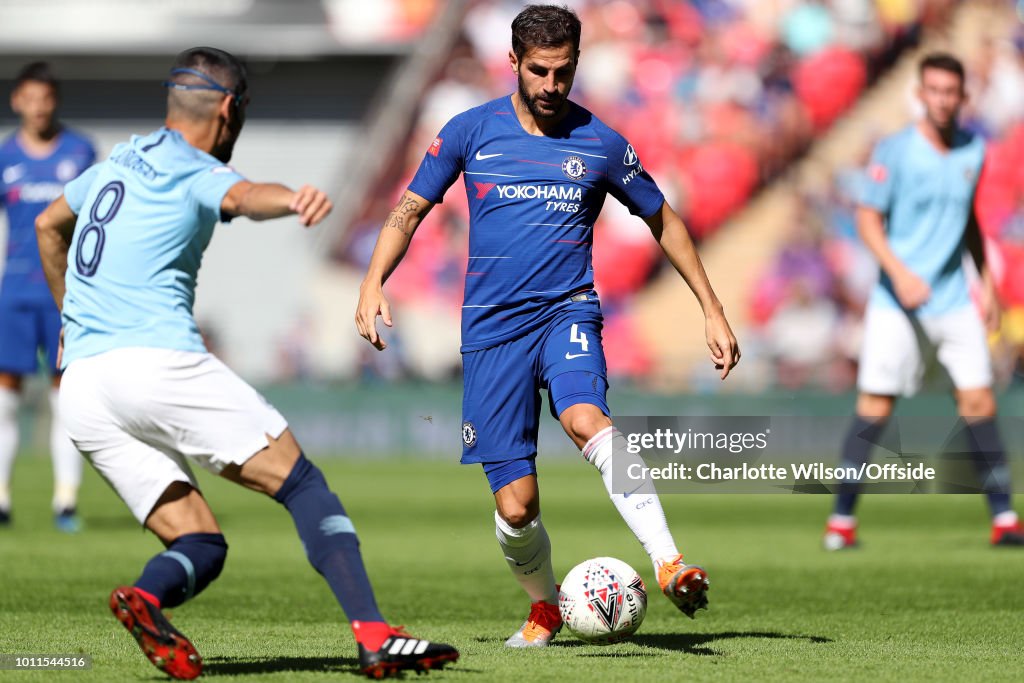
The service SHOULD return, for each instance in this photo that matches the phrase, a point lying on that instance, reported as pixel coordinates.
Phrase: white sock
(842, 521)
(641, 509)
(8, 442)
(1008, 518)
(528, 553)
(67, 462)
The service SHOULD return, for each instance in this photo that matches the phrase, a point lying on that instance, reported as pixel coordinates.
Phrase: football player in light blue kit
(917, 217)
(142, 396)
(35, 162)
(537, 169)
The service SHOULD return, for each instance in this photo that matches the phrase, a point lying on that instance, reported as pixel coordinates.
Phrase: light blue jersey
(145, 216)
(926, 197)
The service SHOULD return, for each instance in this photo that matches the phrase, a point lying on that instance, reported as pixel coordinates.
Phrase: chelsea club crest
(574, 168)
(468, 433)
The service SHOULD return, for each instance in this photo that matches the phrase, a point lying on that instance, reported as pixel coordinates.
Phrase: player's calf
(190, 564)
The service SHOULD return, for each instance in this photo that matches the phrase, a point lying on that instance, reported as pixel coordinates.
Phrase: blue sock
(329, 539)
(857, 446)
(182, 571)
(989, 459)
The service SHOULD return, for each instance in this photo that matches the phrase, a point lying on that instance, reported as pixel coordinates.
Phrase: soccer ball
(602, 600)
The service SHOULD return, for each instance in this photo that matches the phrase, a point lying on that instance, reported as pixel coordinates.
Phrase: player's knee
(976, 404)
(583, 422)
(875, 406)
(517, 515)
(304, 476)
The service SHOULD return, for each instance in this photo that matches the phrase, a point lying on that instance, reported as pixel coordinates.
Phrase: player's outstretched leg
(67, 471)
(332, 547)
(684, 584)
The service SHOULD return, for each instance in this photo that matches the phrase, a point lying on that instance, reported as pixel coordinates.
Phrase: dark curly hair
(545, 26)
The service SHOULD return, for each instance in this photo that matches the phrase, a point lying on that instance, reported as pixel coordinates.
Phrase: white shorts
(898, 348)
(139, 415)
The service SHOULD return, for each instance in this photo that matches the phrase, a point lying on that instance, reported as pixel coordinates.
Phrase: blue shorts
(502, 384)
(26, 328)
(504, 472)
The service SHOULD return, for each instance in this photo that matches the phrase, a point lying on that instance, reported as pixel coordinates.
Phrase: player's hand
(911, 290)
(311, 204)
(991, 310)
(725, 350)
(372, 303)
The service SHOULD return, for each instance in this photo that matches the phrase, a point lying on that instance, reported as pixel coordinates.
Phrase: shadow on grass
(692, 643)
(233, 666)
(688, 643)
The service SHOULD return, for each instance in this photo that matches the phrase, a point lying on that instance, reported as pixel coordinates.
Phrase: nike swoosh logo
(570, 356)
(523, 564)
(481, 157)
(627, 495)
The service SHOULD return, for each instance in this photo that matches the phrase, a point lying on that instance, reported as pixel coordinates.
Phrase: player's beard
(225, 146)
(223, 151)
(531, 103)
(942, 123)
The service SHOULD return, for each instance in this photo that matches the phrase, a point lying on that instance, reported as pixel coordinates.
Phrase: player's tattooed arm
(54, 228)
(670, 232)
(406, 215)
(392, 243)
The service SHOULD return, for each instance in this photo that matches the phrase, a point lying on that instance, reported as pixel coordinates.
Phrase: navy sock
(182, 571)
(989, 459)
(329, 539)
(857, 446)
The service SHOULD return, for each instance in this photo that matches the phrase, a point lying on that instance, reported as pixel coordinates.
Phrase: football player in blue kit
(537, 168)
(35, 163)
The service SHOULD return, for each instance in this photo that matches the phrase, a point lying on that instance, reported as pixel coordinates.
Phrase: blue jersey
(926, 196)
(533, 201)
(27, 186)
(145, 216)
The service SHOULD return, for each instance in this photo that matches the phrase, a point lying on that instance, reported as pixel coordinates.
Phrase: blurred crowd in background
(719, 97)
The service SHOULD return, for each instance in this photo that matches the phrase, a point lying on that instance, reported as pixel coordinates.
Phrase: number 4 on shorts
(577, 337)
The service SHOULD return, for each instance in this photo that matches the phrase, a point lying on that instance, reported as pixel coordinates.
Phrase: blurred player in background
(141, 394)
(537, 170)
(35, 163)
(917, 218)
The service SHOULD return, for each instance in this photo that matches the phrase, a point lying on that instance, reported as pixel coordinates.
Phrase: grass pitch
(924, 598)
